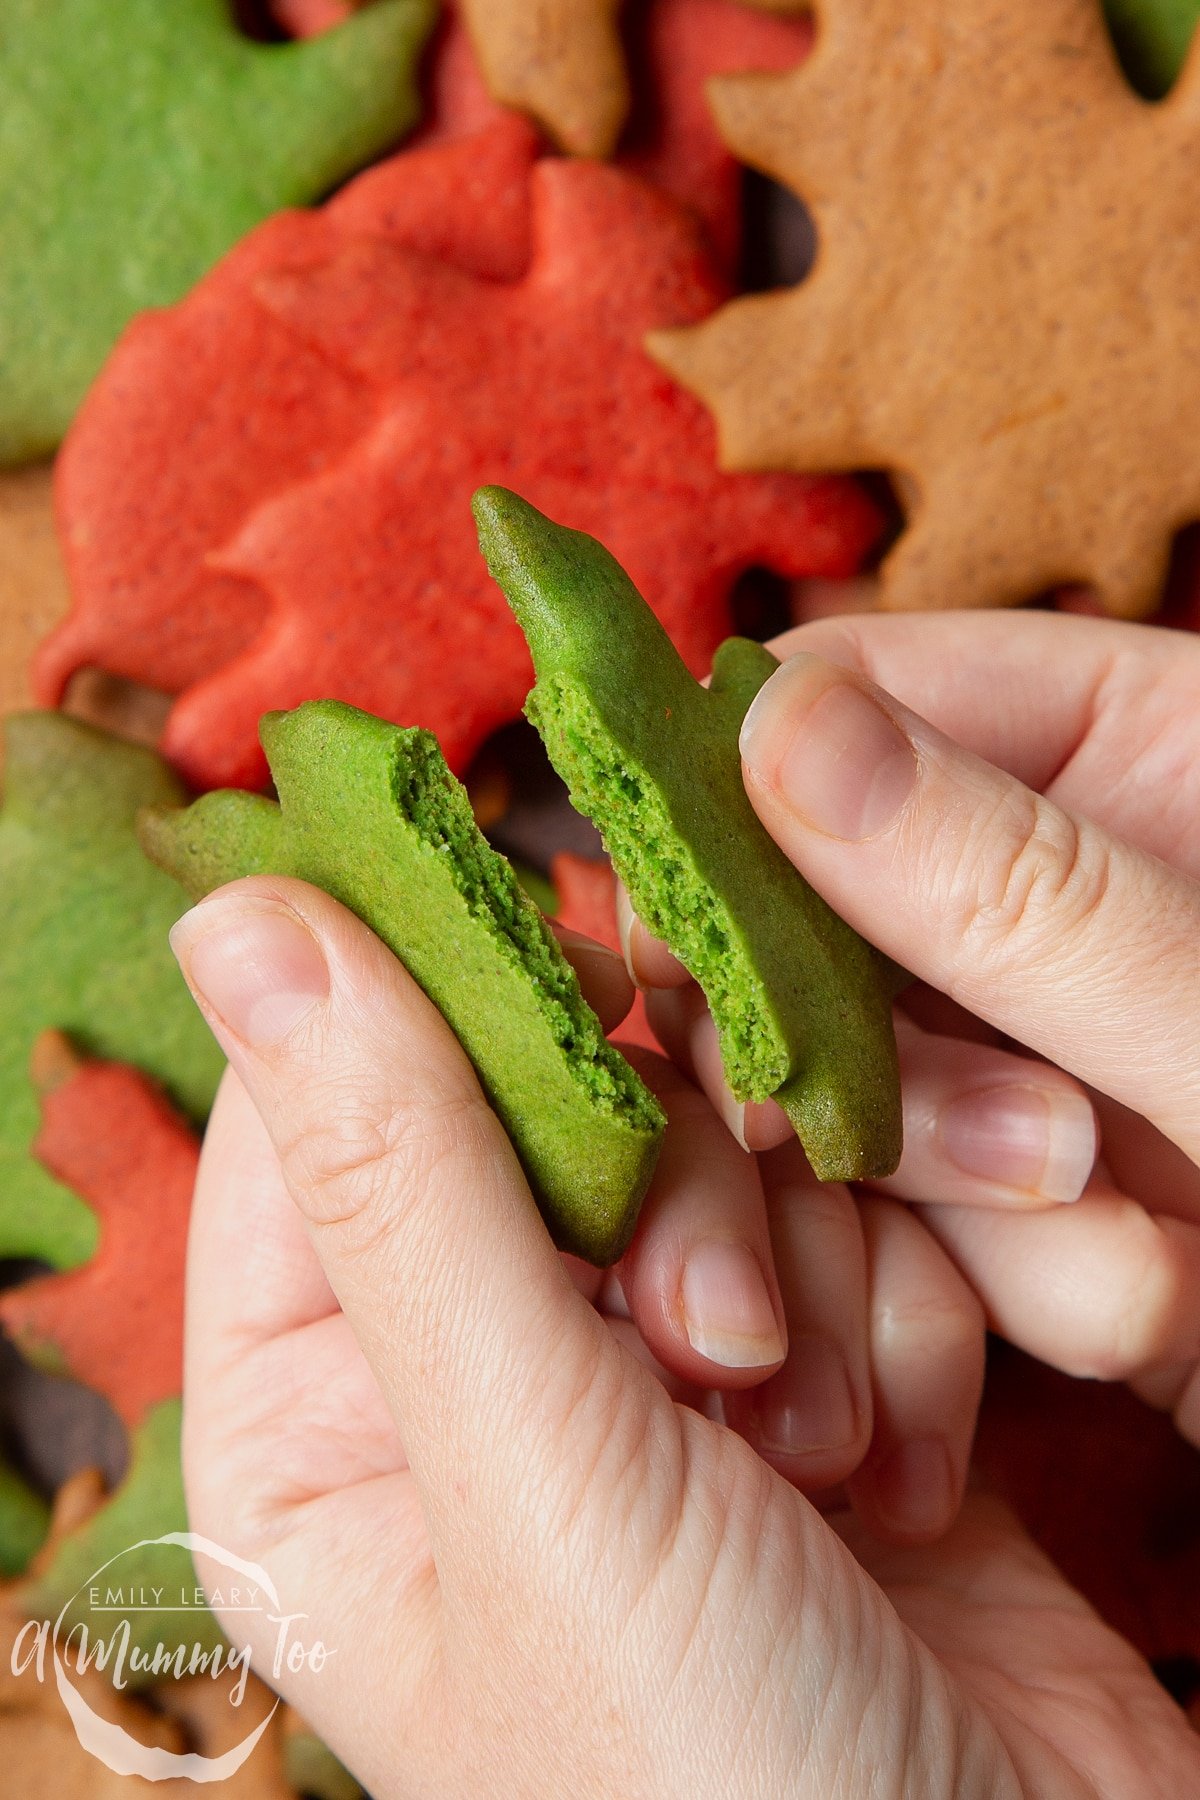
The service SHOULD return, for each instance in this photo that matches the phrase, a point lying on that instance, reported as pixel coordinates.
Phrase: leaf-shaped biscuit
(116, 1323)
(371, 814)
(313, 539)
(801, 1003)
(1003, 308)
(83, 949)
(138, 142)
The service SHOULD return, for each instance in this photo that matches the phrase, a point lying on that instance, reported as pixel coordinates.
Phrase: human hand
(538, 1573)
(1044, 876)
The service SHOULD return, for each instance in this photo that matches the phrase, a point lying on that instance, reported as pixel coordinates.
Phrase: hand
(1026, 839)
(538, 1573)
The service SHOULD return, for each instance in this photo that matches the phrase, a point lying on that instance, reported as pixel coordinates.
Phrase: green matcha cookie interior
(801, 1003)
(370, 813)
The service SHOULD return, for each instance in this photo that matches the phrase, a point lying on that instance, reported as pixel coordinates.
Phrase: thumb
(412, 1195)
(1059, 934)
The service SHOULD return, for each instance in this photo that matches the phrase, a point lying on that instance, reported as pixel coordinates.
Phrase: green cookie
(802, 1005)
(371, 814)
(139, 139)
(24, 1522)
(149, 1504)
(1152, 38)
(83, 948)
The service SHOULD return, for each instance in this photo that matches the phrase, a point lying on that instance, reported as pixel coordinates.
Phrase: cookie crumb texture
(370, 812)
(801, 1003)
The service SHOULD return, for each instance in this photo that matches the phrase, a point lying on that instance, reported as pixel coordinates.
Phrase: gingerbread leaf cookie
(801, 1004)
(559, 60)
(138, 142)
(1002, 311)
(371, 814)
(83, 949)
(562, 61)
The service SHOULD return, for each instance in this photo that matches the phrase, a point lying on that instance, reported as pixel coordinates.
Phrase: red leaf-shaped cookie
(116, 1323)
(208, 407)
(377, 592)
(674, 47)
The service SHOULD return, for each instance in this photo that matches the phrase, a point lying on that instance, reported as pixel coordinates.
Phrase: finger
(602, 975)
(1032, 918)
(626, 1333)
(1163, 1389)
(682, 1023)
(1101, 1288)
(1093, 711)
(1017, 690)
(1146, 1165)
(1187, 1410)
(812, 1420)
(699, 1276)
(649, 962)
(272, 1371)
(418, 1210)
(927, 1362)
(243, 1220)
(983, 1127)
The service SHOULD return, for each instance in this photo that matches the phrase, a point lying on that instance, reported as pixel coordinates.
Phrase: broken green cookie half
(801, 1003)
(371, 813)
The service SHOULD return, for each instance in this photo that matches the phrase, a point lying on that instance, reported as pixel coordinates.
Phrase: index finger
(1018, 689)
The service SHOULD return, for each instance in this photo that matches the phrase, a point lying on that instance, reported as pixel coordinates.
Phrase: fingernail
(727, 1310)
(913, 1488)
(626, 918)
(587, 950)
(254, 963)
(835, 757)
(1022, 1137)
(734, 1114)
(809, 1405)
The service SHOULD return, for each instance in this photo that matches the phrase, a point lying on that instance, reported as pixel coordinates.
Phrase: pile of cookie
(283, 284)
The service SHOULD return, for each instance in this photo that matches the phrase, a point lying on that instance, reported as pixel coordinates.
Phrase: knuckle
(1036, 877)
(932, 1328)
(1141, 1328)
(360, 1166)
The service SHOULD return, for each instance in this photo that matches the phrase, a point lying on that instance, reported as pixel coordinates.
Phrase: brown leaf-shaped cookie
(559, 60)
(1005, 302)
(563, 62)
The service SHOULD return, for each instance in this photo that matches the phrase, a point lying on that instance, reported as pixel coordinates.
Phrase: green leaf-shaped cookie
(83, 949)
(1152, 39)
(24, 1522)
(371, 813)
(152, 1588)
(139, 139)
(801, 1003)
